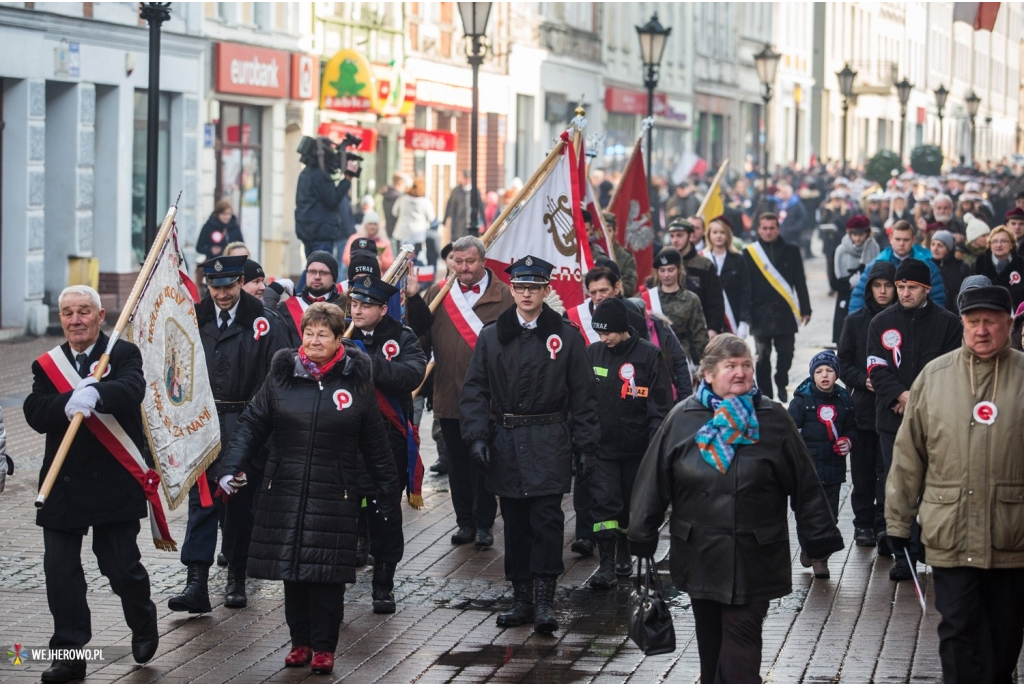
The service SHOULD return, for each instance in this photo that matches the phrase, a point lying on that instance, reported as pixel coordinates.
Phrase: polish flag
(980, 15)
(549, 225)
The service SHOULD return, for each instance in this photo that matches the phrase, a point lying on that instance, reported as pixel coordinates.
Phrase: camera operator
(323, 211)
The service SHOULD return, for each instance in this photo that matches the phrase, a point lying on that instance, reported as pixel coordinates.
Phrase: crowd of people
(645, 397)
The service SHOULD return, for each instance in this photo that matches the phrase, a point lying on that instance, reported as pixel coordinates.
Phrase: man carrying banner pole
(239, 343)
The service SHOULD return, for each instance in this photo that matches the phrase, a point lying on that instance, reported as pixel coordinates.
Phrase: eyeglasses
(521, 288)
(313, 273)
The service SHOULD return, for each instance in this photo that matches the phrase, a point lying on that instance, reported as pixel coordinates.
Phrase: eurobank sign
(247, 70)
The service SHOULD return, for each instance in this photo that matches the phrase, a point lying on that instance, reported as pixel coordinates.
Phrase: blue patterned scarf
(734, 423)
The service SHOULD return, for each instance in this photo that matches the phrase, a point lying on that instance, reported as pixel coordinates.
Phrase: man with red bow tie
(477, 299)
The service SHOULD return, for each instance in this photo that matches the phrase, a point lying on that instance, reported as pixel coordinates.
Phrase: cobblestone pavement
(856, 627)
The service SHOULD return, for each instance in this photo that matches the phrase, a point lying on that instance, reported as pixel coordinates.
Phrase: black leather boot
(196, 597)
(234, 592)
(522, 607)
(383, 588)
(544, 616)
(623, 559)
(64, 672)
(604, 577)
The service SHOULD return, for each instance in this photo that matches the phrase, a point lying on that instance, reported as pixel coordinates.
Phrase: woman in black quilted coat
(317, 412)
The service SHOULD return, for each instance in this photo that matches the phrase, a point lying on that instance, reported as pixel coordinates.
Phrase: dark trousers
(729, 640)
(314, 612)
(784, 345)
(475, 507)
(117, 553)
(832, 491)
(982, 624)
(865, 463)
(886, 442)
(534, 527)
(387, 541)
(583, 503)
(612, 488)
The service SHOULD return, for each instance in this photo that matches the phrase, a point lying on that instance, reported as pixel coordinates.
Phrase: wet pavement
(857, 626)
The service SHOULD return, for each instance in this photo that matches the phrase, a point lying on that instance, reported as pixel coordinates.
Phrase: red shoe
(299, 656)
(323, 662)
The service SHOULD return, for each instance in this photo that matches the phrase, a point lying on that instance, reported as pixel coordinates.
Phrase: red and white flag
(980, 15)
(549, 225)
(604, 238)
(632, 209)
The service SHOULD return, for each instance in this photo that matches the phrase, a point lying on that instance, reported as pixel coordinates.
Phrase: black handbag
(650, 623)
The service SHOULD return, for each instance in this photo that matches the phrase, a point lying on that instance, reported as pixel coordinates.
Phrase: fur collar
(249, 309)
(548, 323)
(288, 371)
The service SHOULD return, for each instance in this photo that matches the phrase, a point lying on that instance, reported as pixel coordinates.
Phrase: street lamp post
(846, 77)
(156, 13)
(767, 63)
(474, 25)
(940, 104)
(653, 37)
(903, 88)
(972, 101)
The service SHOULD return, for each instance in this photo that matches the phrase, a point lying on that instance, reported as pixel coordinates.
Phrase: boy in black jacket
(634, 394)
(824, 414)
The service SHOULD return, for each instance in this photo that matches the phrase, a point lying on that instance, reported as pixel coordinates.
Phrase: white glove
(226, 486)
(742, 329)
(83, 399)
(288, 285)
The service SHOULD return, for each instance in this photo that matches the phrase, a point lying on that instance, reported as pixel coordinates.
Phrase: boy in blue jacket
(824, 413)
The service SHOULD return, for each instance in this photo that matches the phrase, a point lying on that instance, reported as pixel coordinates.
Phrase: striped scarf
(734, 423)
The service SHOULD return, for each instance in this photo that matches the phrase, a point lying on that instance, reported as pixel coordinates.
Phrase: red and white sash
(112, 436)
(653, 300)
(297, 306)
(467, 323)
(582, 317)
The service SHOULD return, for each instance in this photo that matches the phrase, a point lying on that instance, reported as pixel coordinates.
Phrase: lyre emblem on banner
(559, 221)
(179, 357)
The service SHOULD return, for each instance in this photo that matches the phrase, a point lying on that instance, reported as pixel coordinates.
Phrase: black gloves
(897, 545)
(585, 467)
(643, 549)
(479, 454)
(389, 507)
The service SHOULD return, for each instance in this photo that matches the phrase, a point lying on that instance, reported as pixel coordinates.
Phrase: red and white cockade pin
(554, 344)
(92, 369)
(986, 413)
(260, 327)
(342, 399)
(391, 349)
(891, 340)
(1014, 278)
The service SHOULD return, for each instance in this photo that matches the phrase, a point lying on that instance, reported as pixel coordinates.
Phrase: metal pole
(475, 60)
(972, 141)
(903, 130)
(156, 13)
(651, 83)
(846, 107)
(767, 97)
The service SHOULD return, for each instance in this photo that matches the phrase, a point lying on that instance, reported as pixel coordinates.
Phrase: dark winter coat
(735, 277)
(730, 533)
(925, 334)
(953, 271)
(217, 234)
(1012, 277)
(794, 220)
(804, 408)
(307, 508)
(853, 349)
(769, 313)
(236, 362)
(318, 207)
(709, 289)
(512, 372)
(628, 423)
(291, 325)
(396, 378)
(92, 487)
(674, 355)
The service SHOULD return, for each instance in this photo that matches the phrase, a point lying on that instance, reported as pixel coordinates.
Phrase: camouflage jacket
(684, 311)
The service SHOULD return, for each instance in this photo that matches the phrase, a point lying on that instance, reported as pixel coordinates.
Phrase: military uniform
(398, 366)
(535, 379)
(238, 351)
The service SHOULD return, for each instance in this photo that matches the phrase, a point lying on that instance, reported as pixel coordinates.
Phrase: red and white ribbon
(391, 349)
(260, 327)
(827, 415)
(627, 373)
(554, 344)
(342, 399)
(466, 321)
(582, 317)
(891, 340)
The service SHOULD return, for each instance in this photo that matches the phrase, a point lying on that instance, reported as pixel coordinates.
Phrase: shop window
(239, 138)
(139, 168)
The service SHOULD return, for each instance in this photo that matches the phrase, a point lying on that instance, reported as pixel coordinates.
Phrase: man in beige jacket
(958, 463)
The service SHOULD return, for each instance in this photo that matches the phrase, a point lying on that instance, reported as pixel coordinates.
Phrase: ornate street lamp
(653, 38)
(767, 63)
(846, 77)
(940, 104)
(973, 101)
(156, 13)
(474, 25)
(903, 88)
